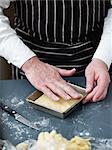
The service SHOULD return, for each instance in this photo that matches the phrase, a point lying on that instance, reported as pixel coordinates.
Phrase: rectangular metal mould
(36, 97)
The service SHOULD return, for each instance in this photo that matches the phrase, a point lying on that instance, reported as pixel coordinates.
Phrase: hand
(47, 79)
(97, 81)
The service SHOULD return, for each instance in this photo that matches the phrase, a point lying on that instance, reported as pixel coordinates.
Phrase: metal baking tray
(34, 98)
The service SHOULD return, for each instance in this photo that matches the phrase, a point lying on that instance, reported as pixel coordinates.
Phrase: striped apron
(64, 33)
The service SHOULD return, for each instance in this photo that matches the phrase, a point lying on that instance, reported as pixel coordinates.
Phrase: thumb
(64, 72)
(90, 78)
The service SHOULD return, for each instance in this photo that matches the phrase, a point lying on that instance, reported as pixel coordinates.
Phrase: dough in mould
(60, 106)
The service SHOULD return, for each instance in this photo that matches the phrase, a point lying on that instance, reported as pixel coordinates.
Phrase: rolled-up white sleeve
(104, 50)
(11, 47)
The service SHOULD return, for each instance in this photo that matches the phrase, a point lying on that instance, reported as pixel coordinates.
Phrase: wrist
(99, 61)
(29, 64)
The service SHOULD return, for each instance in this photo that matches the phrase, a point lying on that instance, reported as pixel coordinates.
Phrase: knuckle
(105, 76)
(49, 82)
(107, 79)
(89, 82)
(61, 93)
(55, 73)
(69, 89)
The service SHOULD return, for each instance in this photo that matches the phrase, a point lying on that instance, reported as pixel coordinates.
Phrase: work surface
(90, 120)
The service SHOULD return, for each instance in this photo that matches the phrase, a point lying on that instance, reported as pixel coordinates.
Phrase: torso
(64, 33)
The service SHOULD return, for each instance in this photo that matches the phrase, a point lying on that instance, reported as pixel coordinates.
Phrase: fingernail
(94, 99)
(77, 96)
(68, 97)
(56, 98)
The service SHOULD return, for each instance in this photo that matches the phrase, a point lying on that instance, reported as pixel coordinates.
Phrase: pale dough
(22, 146)
(60, 106)
(55, 141)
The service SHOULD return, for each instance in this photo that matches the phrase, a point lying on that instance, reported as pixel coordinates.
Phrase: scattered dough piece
(51, 141)
(22, 146)
(55, 141)
(78, 143)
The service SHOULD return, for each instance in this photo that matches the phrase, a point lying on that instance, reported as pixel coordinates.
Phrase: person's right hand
(47, 79)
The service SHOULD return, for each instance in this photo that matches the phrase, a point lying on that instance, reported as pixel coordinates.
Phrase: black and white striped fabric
(64, 33)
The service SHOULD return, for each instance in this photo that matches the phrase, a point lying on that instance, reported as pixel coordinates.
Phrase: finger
(90, 96)
(90, 79)
(49, 93)
(68, 89)
(102, 96)
(102, 86)
(64, 72)
(59, 91)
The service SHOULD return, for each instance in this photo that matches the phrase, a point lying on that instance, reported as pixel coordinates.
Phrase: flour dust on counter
(101, 144)
(42, 122)
(14, 101)
(18, 129)
(81, 126)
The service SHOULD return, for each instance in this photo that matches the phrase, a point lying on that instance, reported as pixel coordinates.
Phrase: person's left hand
(97, 81)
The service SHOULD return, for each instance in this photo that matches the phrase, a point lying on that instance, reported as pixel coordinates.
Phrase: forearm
(104, 50)
(11, 47)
